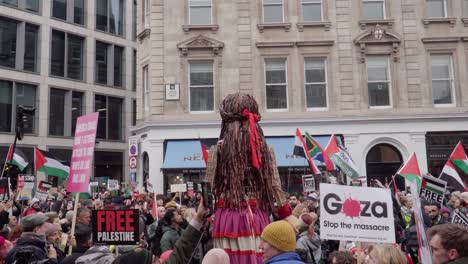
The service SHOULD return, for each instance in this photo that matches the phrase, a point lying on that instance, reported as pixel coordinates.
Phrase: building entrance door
(382, 162)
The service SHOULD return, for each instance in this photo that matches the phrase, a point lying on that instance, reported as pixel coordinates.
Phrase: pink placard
(83, 153)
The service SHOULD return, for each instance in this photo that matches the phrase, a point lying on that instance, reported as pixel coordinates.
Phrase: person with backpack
(32, 246)
(97, 255)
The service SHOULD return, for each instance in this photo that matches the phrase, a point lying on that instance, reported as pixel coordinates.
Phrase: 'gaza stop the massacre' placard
(356, 214)
(116, 227)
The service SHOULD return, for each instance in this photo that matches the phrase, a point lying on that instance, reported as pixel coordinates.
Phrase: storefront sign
(356, 214)
(115, 227)
(308, 183)
(83, 153)
(433, 189)
(459, 218)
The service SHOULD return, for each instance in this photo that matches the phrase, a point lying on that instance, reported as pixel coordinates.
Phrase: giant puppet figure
(244, 176)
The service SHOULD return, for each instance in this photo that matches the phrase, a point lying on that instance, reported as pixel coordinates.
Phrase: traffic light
(20, 112)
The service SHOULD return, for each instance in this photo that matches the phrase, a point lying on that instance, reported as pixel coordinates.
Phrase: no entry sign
(115, 227)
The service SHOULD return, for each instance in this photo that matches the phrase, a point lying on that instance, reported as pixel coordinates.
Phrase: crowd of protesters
(179, 232)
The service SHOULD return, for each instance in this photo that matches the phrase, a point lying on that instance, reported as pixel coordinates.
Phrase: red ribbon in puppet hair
(254, 140)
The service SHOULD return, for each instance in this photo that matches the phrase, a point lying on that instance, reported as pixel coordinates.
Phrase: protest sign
(4, 185)
(424, 249)
(42, 191)
(459, 218)
(116, 227)
(83, 153)
(356, 214)
(432, 189)
(175, 188)
(190, 189)
(26, 192)
(308, 183)
(112, 185)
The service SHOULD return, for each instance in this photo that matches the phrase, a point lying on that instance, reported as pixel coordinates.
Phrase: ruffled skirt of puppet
(238, 233)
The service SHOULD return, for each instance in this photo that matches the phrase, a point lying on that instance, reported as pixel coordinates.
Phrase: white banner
(356, 214)
(175, 188)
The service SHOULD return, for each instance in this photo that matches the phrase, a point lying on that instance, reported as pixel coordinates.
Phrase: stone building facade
(68, 58)
(389, 77)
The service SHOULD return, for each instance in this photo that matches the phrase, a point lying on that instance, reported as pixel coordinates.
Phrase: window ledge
(277, 110)
(370, 22)
(444, 105)
(317, 109)
(66, 78)
(440, 39)
(110, 34)
(110, 86)
(143, 34)
(201, 112)
(212, 27)
(383, 107)
(465, 21)
(262, 27)
(439, 20)
(324, 24)
(67, 22)
(17, 70)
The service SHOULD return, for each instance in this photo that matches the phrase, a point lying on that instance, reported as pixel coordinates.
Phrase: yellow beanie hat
(281, 235)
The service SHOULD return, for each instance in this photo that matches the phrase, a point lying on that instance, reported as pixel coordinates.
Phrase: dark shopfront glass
(108, 164)
(439, 146)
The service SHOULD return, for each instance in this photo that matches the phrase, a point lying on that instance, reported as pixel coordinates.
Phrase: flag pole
(75, 211)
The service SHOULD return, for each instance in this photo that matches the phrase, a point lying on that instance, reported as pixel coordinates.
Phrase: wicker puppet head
(244, 163)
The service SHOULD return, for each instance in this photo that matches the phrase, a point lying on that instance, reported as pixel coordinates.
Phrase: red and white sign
(132, 162)
(83, 153)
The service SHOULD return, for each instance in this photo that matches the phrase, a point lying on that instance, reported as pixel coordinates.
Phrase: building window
(134, 112)
(373, 9)
(30, 5)
(276, 84)
(442, 80)
(134, 20)
(272, 11)
(200, 12)
(109, 16)
(65, 108)
(15, 33)
(109, 64)
(69, 10)
(316, 82)
(312, 10)
(109, 164)
(134, 70)
(67, 55)
(13, 94)
(201, 86)
(145, 14)
(378, 81)
(110, 125)
(436, 8)
(146, 90)
(465, 8)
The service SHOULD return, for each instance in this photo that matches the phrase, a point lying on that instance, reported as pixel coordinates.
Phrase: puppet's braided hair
(234, 171)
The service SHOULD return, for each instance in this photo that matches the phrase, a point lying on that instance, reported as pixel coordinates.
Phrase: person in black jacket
(83, 243)
(32, 245)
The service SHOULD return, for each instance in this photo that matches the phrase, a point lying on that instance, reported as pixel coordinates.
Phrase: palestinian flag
(130, 191)
(341, 158)
(300, 149)
(410, 170)
(316, 152)
(459, 159)
(453, 179)
(49, 164)
(18, 158)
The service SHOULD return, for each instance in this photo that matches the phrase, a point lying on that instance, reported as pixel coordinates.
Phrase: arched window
(382, 162)
(145, 170)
